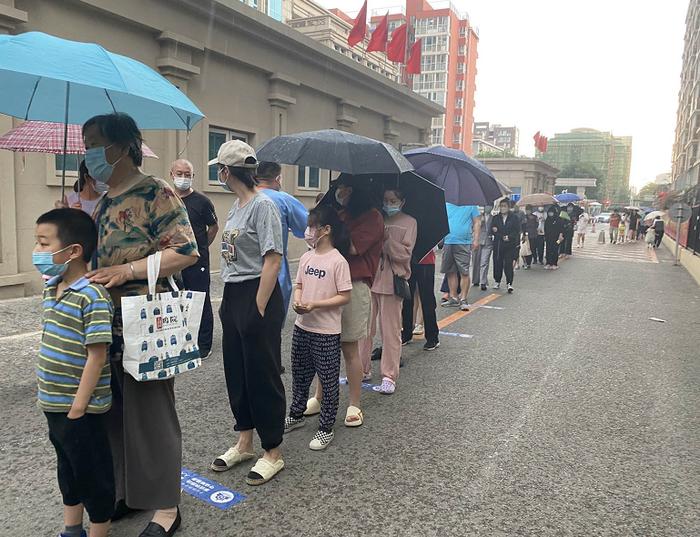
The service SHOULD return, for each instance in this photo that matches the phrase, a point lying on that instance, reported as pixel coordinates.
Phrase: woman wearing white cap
(251, 315)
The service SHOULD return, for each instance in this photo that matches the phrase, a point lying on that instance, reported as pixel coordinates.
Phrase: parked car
(603, 218)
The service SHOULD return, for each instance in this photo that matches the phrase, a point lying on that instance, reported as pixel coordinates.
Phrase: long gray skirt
(146, 440)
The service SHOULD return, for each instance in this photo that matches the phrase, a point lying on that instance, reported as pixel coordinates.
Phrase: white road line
(23, 335)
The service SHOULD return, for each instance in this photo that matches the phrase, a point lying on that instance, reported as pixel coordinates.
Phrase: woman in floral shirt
(138, 216)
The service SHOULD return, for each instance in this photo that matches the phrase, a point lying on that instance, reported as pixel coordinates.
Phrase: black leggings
(422, 281)
(251, 349)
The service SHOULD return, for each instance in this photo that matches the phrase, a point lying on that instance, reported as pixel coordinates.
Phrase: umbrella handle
(65, 142)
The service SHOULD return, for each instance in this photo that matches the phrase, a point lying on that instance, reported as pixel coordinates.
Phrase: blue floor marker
(365, 385)
(455, 334)
(209, 491)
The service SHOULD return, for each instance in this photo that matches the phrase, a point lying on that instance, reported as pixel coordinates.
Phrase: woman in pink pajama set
(399, 238)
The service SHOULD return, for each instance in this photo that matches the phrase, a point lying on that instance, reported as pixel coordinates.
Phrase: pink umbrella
(46, 137)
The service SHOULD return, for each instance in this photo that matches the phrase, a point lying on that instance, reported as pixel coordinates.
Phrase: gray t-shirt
(249, 233)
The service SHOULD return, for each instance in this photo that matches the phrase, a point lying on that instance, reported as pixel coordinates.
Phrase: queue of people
(359, 274)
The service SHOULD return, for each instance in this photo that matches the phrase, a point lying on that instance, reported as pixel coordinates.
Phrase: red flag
(545, 143)
(359, 28)
(377, 43)
(537, 137)
(413, 63)
(396, 50)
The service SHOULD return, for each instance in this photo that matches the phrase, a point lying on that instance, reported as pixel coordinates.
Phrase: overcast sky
(554, 65)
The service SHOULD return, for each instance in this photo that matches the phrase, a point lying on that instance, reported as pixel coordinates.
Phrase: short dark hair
(73, 226)
(120, 129)
(268, 171)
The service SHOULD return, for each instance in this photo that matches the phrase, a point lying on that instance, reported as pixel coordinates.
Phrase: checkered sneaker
(321, 440)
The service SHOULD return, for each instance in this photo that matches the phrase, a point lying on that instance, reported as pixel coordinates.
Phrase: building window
(217, 136)
(460, 85)
(460, 67)
(436, 136)
(274, 9)
(459, 103)
(72, 162)
(457, 138)
(434, 62)
(458, 121)
(430, 81)
(435, 96)
(462, 50)
(462, 31)
(438, 121)
(435, 43)
(431, 25)
(308, 178)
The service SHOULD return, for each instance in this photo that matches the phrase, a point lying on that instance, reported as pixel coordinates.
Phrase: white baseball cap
(236, 153)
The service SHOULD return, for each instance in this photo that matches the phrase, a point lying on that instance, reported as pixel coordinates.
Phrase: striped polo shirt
(81, 316)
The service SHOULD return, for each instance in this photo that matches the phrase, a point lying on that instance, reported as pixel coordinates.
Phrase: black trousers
(503, 262)
(84, 463)
(539, 249)
(552, 252)
(315, 354)
(657, 239)
(422, 276)
(197, 278)
(252, 360)
(568, 241)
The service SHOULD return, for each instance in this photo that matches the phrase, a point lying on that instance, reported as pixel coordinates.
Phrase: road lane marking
(23, 335)
(447, 321)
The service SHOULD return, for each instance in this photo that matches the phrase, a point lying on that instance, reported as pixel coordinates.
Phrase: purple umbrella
(466, 181)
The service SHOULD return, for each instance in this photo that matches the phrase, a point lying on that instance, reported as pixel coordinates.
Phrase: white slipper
(231, 458)
(313, 407)
(354, 417)
(263, 471)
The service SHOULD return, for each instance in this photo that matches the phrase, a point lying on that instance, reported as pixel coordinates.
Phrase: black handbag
(401, 287)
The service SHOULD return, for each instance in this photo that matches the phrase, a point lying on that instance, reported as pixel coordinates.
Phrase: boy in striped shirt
(73, 372)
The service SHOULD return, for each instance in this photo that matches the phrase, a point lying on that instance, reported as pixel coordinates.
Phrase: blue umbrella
(466, 181)
(568, 197)
(43, 77)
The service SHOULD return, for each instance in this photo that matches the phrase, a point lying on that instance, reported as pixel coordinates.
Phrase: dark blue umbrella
(465, 180)
(568, 197)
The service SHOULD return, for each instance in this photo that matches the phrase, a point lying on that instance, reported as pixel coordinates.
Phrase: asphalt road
(568, 412)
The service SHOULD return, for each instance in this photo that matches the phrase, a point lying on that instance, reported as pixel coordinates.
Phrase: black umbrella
(424, 201)
(334, 150)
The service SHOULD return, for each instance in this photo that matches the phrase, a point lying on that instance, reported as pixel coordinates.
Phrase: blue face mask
(98, 167)
(43, 261)
(390, 210)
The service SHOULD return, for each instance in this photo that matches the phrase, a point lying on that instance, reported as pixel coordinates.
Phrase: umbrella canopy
(653, 214)
(47, 137)
(633, 208)
(336, 150)
(424, 201)
(538, 199)
(595, 204)
(466, 181)
(568, 197)
(47, 78)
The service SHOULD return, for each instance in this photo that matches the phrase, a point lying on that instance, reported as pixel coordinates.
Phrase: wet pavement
(568, 412)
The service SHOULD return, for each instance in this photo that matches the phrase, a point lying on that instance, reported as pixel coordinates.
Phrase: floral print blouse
(147, 218)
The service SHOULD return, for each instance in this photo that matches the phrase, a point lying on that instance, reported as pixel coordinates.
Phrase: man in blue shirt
(293, 215)
(465, 223)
